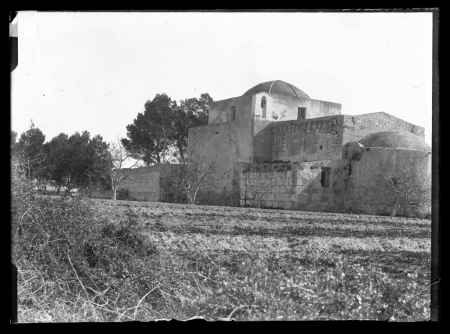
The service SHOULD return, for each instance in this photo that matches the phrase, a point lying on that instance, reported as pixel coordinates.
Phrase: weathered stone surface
(310, 161)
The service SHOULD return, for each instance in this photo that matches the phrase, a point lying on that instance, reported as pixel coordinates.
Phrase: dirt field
(100, 260)
(399, 246)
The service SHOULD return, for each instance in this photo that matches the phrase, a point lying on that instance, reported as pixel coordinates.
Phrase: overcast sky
(95, 71)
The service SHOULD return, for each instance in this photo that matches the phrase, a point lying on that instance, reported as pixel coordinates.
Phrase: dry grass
(155, 260)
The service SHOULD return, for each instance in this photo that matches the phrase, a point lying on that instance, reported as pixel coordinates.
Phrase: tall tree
(58, 152)
(97, 153)
(162, 129)
(73, 158)
(31, 142)
(30, 153)
(149, 135)
(78, 159)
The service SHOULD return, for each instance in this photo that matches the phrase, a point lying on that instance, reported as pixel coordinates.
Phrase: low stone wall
(143, 186)
(352, 184)
(296, 186)
(101, 194)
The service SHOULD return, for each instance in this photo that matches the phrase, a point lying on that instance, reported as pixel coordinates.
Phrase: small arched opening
(264, 106)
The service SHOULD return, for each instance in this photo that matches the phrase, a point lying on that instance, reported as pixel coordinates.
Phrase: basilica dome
(277, 87)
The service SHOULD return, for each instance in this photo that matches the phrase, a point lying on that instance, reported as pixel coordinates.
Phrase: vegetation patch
(85, 260)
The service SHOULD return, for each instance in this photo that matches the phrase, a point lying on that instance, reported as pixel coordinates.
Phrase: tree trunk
(395, 208)
(114, 196)
(181, 154)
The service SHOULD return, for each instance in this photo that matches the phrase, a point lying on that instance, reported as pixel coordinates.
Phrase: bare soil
(398, 245)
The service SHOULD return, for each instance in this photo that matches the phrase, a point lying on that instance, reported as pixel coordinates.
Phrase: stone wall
(368, 164)
(353, 184)
(284, 108)
(309, 140)
(262, 140)
(143, 184)
(225, 143)
(101, 193)
(150, 183)
(358, 126)
(295, 186)
(221, 110)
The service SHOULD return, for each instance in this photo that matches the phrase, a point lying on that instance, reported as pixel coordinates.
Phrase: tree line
(157, 135)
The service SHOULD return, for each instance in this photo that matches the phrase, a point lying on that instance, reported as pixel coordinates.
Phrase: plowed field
(398, 245)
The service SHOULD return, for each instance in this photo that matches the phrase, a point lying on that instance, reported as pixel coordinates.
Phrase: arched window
(263, 106)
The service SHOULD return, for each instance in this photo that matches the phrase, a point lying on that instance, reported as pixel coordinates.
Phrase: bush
(341, 291)
(99, 270)
(73, 266)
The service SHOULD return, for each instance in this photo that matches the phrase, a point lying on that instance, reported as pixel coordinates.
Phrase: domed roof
(395, 139)
(277, 87)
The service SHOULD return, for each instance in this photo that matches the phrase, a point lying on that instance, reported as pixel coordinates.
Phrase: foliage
(148, 136)
(70, 159)
(31, 142)
(29, 157)
(196, 173)
(164, 125)
(339, 291)
(83, 260)
(69, 262)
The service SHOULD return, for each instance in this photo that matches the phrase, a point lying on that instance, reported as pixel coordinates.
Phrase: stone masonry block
(337, 192)
(339, 200)
(286, 205)
(284, 189)
(315, 198)
(291, 197)
(302, 198)
(317, 207)
(300, 206)
(299, 189)
(325, 198)
(278, 197)
(332, 207)
(327, 191)
(289, 181)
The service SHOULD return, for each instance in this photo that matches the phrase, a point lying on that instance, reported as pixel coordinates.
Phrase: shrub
(101, 269)
(339, 291)
(73, 266)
